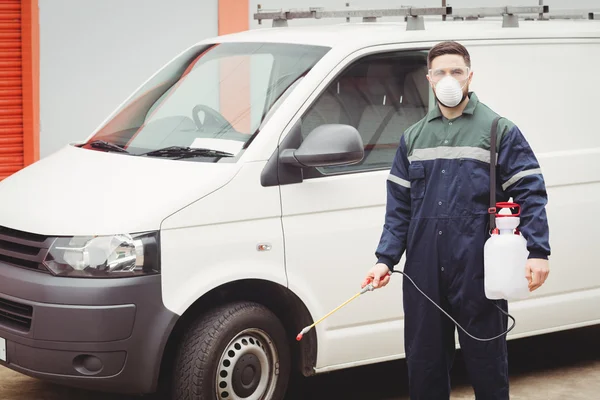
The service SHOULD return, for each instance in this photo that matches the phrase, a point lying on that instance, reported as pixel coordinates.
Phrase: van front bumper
(98, 334)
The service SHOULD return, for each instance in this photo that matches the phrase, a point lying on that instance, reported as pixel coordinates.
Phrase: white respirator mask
(449, 92)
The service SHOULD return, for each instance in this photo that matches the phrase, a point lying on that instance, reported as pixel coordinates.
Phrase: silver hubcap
(248, 367)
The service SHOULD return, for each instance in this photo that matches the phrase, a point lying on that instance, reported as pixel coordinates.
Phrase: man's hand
(379, 274)
(536, 272)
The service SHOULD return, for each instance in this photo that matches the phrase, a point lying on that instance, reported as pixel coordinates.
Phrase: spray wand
(368, 288)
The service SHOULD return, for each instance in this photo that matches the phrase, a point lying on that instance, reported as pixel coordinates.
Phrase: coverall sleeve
(397, 216)
(521, 178)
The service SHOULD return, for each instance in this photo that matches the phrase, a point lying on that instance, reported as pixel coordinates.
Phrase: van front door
(333, 219)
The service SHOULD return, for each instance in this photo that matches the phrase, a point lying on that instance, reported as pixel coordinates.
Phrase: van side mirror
(327, 145)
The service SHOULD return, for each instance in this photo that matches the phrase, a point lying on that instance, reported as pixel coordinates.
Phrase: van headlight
(104, 256)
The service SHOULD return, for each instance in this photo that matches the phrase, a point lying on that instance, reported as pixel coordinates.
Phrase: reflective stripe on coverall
(437, 202)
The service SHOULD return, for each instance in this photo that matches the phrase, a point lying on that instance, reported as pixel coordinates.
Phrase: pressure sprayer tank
(505, 256)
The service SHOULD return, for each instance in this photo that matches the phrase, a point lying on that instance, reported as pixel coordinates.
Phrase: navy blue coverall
(437, 211)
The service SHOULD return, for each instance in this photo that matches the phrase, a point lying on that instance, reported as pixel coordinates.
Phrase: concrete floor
(563, 365)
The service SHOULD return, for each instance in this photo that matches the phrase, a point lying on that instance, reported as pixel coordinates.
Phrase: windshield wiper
(102, 144)
(181, 152)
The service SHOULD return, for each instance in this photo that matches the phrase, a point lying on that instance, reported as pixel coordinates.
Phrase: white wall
(94, 53)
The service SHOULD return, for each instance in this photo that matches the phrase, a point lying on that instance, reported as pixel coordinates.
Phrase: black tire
(207, 343)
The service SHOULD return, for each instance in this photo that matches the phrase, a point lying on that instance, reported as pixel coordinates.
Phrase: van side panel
(548, 89)
(214, 241)
(332, 226)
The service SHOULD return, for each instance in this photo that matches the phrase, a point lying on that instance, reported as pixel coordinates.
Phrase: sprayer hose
(456, 323)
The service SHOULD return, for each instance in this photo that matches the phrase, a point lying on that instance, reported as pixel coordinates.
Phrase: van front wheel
(237, 351)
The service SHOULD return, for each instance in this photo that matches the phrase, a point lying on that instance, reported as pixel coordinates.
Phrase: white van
(239, 195)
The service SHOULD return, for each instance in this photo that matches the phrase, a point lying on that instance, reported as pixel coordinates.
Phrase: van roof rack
(545, 15)
(572, 15)
(509, 14)
(414, 16)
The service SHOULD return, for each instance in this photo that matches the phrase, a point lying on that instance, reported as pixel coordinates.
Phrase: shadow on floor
(388, 381)
(385, 381)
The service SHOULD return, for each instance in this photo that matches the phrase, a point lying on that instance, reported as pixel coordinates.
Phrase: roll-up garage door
(11, 92)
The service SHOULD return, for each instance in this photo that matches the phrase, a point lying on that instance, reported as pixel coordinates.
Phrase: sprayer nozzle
(302, 332)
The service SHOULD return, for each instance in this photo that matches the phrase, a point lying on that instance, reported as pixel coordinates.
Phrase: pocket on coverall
(416, 175)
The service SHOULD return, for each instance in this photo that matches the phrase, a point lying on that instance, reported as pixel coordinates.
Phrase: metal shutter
(11, 92)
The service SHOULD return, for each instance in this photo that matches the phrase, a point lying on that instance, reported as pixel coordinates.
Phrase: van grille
(22, 249)
(15, 315)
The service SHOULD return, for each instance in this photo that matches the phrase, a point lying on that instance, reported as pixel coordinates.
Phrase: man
(437, 210)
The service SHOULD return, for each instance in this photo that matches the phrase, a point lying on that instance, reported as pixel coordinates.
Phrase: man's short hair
(448, 47)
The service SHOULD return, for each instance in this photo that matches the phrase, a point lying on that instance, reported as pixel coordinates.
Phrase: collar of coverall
(469, 109)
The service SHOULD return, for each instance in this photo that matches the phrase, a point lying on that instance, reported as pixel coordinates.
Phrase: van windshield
(214, 98)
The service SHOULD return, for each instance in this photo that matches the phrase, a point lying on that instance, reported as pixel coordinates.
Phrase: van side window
(381, 96)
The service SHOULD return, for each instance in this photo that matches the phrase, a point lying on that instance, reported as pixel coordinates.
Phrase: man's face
(450, 65)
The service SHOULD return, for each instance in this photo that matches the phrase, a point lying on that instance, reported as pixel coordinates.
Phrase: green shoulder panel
(467, 131)
(484, 116)
(413, 133)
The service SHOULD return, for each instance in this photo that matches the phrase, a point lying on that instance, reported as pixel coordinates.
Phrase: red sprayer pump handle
(502, 205)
